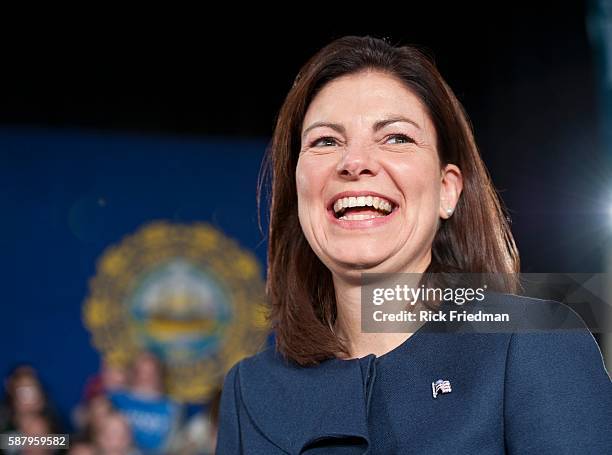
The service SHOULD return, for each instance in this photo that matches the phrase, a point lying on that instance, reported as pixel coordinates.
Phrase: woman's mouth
(360, 210)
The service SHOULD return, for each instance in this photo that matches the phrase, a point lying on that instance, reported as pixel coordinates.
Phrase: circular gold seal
(186, 293)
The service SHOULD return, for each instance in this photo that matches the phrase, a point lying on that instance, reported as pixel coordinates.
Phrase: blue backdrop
(68, 195)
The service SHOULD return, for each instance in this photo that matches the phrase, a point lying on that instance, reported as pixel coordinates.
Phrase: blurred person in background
(113, 377)
(36, 425)
(91, 416)
(115, 436)
(153, 417)
(95, 404)
(31, 425)
(198, 436)
(80, 446)
(25, 397)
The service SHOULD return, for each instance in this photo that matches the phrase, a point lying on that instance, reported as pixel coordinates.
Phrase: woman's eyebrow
(382, 123)
(334, 126)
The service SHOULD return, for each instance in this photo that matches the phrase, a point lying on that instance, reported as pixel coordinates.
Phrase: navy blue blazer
(519, 393)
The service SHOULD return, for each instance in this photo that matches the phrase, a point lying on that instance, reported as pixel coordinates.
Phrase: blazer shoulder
(556, 380)
(269, 368)
(531, 314)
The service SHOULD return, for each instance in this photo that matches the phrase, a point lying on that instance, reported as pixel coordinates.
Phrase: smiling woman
(366, 119)
(375, 169)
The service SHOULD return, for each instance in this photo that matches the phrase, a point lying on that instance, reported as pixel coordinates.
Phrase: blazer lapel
(299, 408)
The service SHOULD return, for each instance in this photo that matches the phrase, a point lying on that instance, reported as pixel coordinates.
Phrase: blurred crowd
(123, 411)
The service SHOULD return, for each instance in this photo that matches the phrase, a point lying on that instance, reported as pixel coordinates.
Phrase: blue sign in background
(66, 196)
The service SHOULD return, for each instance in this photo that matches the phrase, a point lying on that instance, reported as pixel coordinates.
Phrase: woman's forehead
(365, 98)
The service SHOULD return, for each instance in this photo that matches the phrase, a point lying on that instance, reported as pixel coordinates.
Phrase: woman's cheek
(305, 178)
(300, 180)
(305, 191)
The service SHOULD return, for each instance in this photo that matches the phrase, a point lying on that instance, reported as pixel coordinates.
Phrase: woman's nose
(355, 162)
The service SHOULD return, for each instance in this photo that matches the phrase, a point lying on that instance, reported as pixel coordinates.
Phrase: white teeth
(362, 201)
(352, 217)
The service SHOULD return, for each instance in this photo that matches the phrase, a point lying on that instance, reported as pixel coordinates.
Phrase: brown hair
(476, 238)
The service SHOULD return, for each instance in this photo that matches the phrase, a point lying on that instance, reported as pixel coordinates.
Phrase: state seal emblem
(188, 294)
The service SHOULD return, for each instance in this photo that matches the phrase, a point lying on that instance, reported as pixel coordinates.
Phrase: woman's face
(28, 395)
(115, 435)
(147, 373)
(370, 186)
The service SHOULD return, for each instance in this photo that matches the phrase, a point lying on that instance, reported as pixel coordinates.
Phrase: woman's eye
(400, 139)
(324, 142)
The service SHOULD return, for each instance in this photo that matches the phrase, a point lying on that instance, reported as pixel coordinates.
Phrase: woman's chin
(364, 263)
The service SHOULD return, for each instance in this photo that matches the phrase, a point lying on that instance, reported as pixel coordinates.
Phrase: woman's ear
(451, 185)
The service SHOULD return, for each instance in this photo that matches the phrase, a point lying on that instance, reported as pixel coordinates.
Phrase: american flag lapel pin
(440, 386)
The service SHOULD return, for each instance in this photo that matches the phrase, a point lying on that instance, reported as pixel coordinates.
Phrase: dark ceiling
(231, 79)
